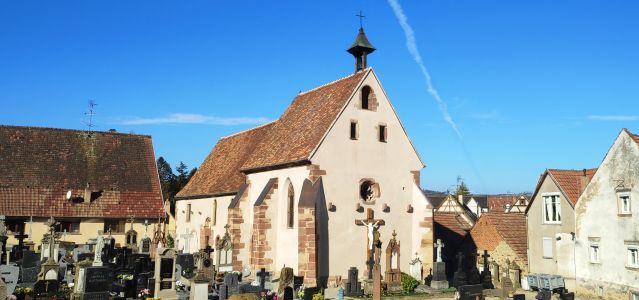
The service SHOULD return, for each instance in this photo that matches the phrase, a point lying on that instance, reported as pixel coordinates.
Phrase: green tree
(170, 182)
(462, 189)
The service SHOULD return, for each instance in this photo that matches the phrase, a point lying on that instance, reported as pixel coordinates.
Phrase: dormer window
(366, 92)
(623, 202)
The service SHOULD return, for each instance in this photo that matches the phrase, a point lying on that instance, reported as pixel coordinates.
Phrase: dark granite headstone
(29, 259)
(43, 288)
(98, 279)
(250, 289)
(460, 278)
(298, 281)
(471, 292)
(166, 268)
(519, 297)
(142, 281)
(439, 271)
(187, 262)
(353, 286)
(29, 275)
(567, 296)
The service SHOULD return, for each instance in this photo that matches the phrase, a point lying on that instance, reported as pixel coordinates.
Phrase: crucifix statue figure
(372, 225)
(439, 247)
(99, 245)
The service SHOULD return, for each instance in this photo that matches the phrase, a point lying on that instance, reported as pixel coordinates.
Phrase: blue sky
(530, 84)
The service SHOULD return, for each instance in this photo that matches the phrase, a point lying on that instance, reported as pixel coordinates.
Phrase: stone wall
(307, 246)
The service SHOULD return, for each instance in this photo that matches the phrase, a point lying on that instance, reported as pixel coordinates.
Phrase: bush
(409, 283)
(318, 296)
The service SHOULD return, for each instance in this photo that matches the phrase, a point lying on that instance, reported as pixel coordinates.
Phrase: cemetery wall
(88, 230)
(537, 230)
(200, 210)
(389, 164)
(597, 215)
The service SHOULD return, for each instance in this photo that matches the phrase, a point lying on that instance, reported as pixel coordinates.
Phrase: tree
(462, 189)
(171, 184)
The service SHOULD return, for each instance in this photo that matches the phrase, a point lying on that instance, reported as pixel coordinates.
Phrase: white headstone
(416, 266)
(51, 275)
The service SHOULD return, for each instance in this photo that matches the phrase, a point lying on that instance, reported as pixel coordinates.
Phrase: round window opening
(366, 191)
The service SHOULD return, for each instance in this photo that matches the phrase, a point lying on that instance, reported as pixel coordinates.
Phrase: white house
(290, 191)
(607, 225)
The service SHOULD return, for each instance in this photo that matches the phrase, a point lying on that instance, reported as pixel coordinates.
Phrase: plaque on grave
(471, 292)
(98, 279)
(166, 268)
(96, 296)
(10, 274)
(45, 287)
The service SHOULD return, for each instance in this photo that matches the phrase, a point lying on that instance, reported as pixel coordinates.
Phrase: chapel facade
(288, 193)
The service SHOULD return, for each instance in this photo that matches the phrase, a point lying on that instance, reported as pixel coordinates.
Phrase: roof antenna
(89, 115)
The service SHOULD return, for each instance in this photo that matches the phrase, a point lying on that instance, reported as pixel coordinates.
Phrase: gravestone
(353, 286)
(519, 297)
(286, 279)
(439, 280)
(506, 286)
(417, 268)
(164, 285)
(486, 276)
(471, 292)
(9, 274)
(459, 278)
(30, 259)
(98, 279)
(229, 286)
(309, 292)
(145, 245)
(42, 288)
(473, 272)
(544, 294)
(393, 272)
(187, 262)
(29, 276)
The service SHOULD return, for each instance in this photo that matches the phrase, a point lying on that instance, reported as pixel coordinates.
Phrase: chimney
(87, 194)
(584, 181)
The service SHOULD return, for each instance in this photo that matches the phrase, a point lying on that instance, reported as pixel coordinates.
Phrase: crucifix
(20, 237)
(208, 249)
(439, 247)
(262, 275)
(131, 219)
(51, 223)
(360, 18)
(372, 225)
(486, 256)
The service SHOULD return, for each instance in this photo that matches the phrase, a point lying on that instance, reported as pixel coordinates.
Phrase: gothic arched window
(290, 206)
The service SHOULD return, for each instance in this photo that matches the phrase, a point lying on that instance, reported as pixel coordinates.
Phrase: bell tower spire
(361, 47)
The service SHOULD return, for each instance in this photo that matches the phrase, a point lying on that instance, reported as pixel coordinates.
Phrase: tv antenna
(89, 114)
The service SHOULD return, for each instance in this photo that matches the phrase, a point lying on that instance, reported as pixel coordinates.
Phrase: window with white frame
(547, 247)
(551, 208)
(633, 256)
(594, 252)
(624, 202)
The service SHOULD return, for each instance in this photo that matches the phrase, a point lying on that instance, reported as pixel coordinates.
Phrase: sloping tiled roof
(511, 228)
(453, 222)
(570, 181)
(41, 164)
(302, 126)
(499, 202)
(632, 135)
(220, 174)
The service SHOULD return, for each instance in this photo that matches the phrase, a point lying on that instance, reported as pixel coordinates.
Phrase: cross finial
(361, 17)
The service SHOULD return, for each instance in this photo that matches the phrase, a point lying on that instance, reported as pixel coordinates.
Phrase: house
(551, 222)
(288, 193)
(478, 204)
(607, 225)
(453, 221)
(87, 180)
(503, 235)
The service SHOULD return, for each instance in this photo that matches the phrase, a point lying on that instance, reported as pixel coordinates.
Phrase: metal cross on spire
(361, 17)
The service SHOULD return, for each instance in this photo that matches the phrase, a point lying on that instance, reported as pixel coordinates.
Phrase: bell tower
(361, 47)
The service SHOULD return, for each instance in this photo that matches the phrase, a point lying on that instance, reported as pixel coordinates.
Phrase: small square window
(594, 253)
(633, 256)
(382, 133)
(624, 203)
(353, 130)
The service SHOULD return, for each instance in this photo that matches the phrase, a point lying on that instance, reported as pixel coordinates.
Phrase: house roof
(570, 181)
(436, 201)
(632, 135)
(220, 174)
(509, 227)
(297, 133)
(290, 140)
(453, 222)
(482, 200)
(40, 165)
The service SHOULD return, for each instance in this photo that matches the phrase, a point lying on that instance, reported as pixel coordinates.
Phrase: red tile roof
(41, 164)
(632, 135)
(289, 140)
(220, 174)
(494, 227)
(499, 202)
(303, 125)
(453, 222)
(572, 181)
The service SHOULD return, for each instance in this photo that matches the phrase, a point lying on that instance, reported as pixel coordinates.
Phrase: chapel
(294, 192)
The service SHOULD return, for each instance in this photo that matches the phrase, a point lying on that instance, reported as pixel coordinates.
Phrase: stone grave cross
(186, 236)
(20, 237)
(30, 228)
(262, 275)
(51, 224)
(439, 247)
(485, 256)
(146, 228)
(372, 225)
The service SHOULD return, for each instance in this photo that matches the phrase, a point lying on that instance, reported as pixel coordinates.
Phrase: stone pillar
(307, 245)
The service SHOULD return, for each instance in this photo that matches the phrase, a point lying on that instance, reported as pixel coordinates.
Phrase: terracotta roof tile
(632, 135)
(453, 222)
(41, 164)
(499, 202)
(571, 181)
(302, 126)
(510, 227)
(220, 172)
